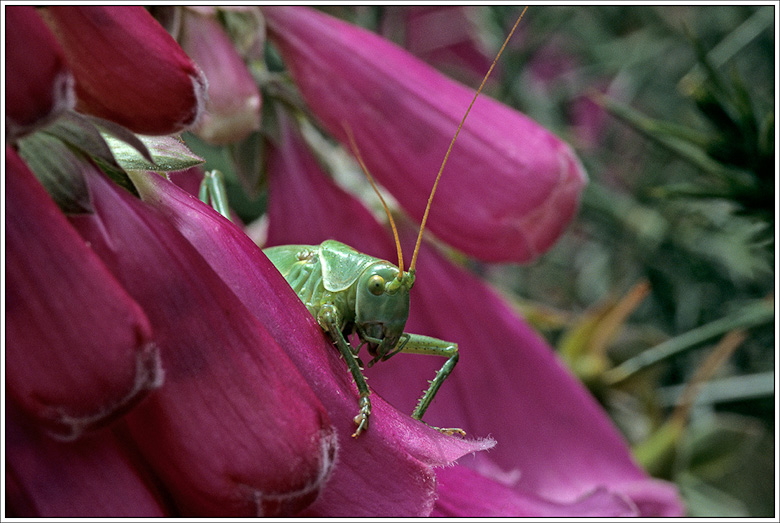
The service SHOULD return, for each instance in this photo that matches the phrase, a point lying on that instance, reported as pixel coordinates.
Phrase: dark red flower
(79, 350)
(38, 83)
(235, 430)
(91, 477)
(128, 69)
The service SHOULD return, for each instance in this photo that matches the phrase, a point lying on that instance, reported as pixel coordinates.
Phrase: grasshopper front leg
(418, 344)
(328, 318)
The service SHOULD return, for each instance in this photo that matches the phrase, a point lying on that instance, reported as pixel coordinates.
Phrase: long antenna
(355, 150)
(446, 156)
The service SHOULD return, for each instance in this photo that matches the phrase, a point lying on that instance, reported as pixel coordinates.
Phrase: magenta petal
(294, 176)
(234, 431)
(92, 477)
(403, 449)
(654, 498)
(465, 493)
(404, 113)
(38, 84)
(128, 68)
(445, 36)
(233, 106)
(79, 349)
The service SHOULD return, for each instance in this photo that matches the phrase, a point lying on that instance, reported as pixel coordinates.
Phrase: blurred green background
(671, 110)
(660, 296)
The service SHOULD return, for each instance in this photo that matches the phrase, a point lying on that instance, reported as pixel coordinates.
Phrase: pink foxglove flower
(233, 106)
(551, 65)
(558, 444)
(128, 69)
(557, 453)
(510, 186)
(38, 83)
(80, 350)
(404, 450)
(235, 430)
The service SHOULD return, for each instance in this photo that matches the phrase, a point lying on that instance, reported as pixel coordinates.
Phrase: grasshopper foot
(361, 420)
(448, 431)
(452, 431)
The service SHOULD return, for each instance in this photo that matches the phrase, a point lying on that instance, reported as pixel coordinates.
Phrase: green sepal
(77, 131)
(122, 133)
(167, 154)
(83, 133)
(59, 169)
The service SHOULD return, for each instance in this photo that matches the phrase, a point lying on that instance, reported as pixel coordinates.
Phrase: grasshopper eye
(376, 285)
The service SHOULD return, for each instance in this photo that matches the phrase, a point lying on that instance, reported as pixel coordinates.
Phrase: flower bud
(233, 106)
(509, 187)
(128, 69)
(38, 84)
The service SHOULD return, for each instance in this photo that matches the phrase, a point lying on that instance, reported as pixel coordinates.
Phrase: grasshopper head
(382, 308)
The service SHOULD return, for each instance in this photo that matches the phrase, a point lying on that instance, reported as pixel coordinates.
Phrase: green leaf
(688, 190)
(123, 134)
(713, 448)
(704, 500)
(753, 314)
(167, 153)
(59, 169)
(82, 133)
(672, 139)
(766, 136)
(717, 232)
(724, 467)
(118, 175)
(79, 132)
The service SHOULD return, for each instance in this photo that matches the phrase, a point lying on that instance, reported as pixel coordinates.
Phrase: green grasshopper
(350, 292)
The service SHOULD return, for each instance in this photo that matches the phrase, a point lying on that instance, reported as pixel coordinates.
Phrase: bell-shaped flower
(79, 349)
(38, 83)
(509, 187)
(233, 106)
(404, 450)
(557, 452)
(235, 430)
(128, 69)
